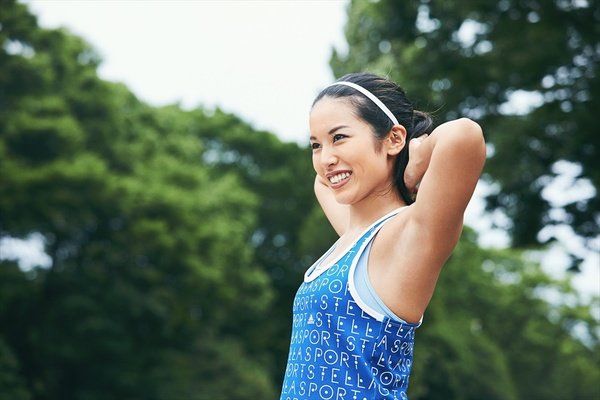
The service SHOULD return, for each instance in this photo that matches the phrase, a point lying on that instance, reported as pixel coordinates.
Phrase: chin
(341, 199)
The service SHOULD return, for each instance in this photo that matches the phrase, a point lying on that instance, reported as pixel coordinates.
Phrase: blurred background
(156, 191)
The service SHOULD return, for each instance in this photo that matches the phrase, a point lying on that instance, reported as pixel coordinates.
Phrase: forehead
(328, 113)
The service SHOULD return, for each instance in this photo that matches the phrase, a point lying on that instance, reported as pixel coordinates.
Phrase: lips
(340, 183)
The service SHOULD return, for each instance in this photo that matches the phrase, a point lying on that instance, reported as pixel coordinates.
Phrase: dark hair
(415, 122)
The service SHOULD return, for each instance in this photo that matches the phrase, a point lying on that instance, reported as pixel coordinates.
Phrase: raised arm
(457, 156)
(336, 213)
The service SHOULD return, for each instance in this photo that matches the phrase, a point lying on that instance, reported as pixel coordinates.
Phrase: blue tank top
(340, 347)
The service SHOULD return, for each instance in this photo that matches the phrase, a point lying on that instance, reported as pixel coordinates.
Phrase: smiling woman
(357, 310)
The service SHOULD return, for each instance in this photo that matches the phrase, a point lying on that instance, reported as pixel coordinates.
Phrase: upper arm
(336, 213)
(448, 184)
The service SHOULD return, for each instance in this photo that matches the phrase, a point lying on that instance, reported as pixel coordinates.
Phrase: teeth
(339, 177)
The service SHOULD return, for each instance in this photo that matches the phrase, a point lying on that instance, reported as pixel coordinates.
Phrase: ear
(396, 140)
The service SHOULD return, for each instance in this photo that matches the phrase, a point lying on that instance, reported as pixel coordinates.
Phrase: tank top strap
(372, 230)
(313, 272)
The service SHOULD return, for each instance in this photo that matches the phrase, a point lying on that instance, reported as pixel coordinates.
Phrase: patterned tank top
(341, 348)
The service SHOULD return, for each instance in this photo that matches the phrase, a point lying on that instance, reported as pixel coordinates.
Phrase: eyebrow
(332, 130)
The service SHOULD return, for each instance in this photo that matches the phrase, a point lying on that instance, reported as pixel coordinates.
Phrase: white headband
(370, 96)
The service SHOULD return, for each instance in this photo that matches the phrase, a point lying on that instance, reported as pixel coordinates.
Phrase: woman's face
(341, 141)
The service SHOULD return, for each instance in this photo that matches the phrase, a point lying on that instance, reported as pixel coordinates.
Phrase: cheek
(370, 166)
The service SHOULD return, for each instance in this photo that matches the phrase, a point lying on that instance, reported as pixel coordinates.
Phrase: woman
(356, 313)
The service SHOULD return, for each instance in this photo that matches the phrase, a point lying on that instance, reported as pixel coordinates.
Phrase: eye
(338, 134)
(315, 145)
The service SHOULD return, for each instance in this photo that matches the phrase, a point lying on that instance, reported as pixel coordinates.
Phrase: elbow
(473, 129)
(474, 135)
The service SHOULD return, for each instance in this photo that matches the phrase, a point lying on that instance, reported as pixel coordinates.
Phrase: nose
(328, 156)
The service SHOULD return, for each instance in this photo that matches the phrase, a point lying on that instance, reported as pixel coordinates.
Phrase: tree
(150, 263)
(491, 332)
(178, 239)
(469, 59)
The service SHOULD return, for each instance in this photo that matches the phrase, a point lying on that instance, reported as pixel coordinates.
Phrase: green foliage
(149, 248)
(489, 333)
(457, 58)
(11, 383)
(178, 239)
(13, 296)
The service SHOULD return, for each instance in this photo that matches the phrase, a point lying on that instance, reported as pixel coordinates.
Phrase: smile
(340, 180)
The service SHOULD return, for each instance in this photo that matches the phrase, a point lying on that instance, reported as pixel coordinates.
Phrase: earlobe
(395, 149)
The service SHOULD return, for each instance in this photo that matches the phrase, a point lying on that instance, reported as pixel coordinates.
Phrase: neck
(371, 208)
